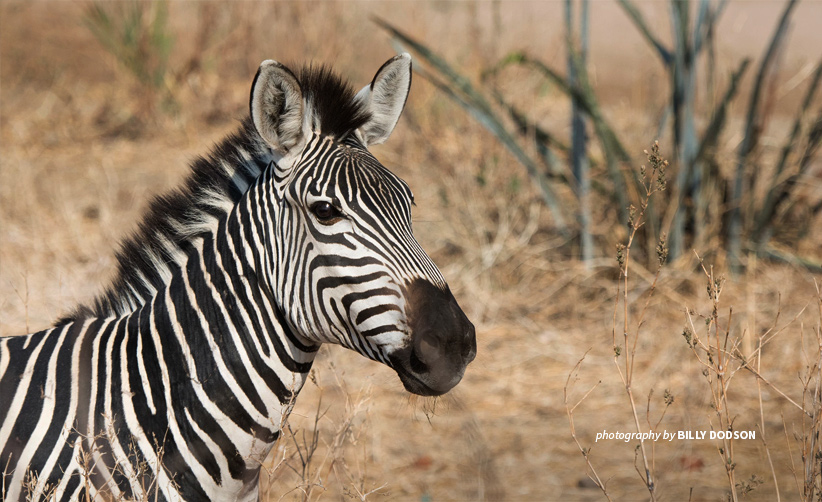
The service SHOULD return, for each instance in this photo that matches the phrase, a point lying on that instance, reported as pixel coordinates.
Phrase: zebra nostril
(428, 349)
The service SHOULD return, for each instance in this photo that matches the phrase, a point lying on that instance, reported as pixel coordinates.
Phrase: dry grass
(76, 171)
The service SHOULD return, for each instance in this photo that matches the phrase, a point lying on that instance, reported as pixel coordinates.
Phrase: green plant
(137, 34)
(748, 224)
(706, 206)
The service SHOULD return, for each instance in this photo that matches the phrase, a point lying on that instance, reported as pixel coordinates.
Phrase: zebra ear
(277, 106)
(385, 99)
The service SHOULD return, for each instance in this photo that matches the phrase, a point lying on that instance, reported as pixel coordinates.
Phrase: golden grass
(75, 175)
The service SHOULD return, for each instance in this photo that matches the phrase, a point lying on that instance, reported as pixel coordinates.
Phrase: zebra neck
(236, 353)
(229, 308)
(200, 378)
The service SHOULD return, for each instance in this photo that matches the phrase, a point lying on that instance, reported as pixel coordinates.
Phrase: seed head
(662, 249)
(620, 248)
(689, 337)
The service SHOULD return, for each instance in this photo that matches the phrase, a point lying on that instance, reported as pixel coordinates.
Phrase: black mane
(216, 183)
(333, 101)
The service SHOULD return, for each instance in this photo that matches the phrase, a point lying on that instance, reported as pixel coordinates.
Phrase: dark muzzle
(442, 343)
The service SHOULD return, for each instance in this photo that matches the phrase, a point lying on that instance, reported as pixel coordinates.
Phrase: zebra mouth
(421, 380)
(415, 385)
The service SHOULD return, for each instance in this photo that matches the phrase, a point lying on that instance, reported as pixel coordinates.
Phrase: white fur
(277, 106)
(385, 98)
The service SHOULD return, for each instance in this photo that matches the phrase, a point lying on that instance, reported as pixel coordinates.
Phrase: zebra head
(344, 265)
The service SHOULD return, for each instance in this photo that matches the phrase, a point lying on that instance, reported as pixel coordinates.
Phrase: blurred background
(523, 140)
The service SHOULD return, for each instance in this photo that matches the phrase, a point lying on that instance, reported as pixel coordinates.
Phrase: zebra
(174, 382)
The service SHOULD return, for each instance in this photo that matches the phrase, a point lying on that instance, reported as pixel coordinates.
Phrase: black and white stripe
(175, 381)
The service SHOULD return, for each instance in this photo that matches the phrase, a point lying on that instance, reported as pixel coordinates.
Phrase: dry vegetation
(85, 145)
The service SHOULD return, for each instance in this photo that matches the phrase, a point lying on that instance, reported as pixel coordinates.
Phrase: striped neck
(227, 344)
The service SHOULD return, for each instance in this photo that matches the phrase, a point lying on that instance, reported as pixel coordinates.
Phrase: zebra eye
(325, 212)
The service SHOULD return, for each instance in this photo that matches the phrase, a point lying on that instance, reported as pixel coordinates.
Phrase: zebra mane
(146, 260)
(332, 101)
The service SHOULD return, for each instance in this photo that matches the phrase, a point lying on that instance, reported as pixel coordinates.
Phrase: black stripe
(32, 408)
(62, 399)
(219, 332)
(19, 355)
(182, 396)
(376, 310)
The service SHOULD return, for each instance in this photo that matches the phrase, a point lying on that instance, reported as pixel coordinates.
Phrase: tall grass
(625, 340)
(719, 349)
(576, 43)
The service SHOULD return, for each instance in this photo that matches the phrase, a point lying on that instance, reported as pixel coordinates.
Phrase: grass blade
(461, 91)
(544, 140)
(714, 130)
(780, 188)
(751, 138)
(584, 93)
(642, 26)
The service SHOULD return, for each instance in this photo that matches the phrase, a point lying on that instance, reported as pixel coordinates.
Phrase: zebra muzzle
(443, 341)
